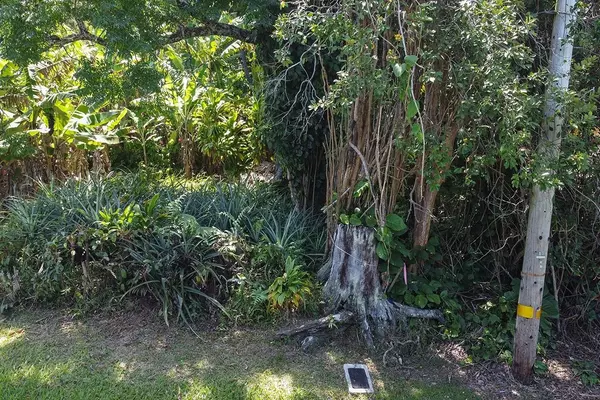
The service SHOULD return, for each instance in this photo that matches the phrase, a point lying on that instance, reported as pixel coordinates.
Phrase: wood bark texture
(354, 285)
(540, 208)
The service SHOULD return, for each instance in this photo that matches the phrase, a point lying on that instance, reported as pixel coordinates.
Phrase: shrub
(193, 246)
(291, 290)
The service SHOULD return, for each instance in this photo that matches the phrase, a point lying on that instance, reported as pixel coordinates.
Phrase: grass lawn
(46, 355)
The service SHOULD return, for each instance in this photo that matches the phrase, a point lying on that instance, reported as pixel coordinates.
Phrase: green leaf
(396, 259)
(434, 298)
(411, 61)
(401, 248)
(384, 235)
(370, 221)
(540, 368)
(550, 307)
(430, 248)
(435, 285)
(344, 219)
(425, 288)
(381, 251)
(104, 139)
(360, 188)
(412, 109)
(494, 319)
(281, 299)
(395, 223)
(399, 69)
(421, 301)
(355, 220)
(416, 129)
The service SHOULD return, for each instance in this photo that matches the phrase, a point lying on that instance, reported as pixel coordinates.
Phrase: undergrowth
(197, 247)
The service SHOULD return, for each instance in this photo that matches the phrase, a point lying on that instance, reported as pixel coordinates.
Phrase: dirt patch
(493, 380)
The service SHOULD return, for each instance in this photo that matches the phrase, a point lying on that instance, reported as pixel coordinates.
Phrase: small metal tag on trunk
(358, 378)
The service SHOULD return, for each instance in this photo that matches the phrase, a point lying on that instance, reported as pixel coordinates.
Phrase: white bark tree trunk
(540, 208)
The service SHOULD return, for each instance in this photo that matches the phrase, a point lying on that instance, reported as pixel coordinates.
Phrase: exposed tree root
(354, 288)
(334, 321)
(328, 322)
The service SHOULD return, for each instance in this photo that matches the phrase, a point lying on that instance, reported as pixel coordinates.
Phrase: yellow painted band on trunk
(528, 312)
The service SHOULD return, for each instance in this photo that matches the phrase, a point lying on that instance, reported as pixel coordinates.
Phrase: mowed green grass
(45, 355)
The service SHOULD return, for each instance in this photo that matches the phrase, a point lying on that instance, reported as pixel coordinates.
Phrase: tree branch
(83, 34)
(213, 28)
(209, 28)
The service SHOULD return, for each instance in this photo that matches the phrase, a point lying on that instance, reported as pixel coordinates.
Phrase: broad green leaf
(416, 129)
(360, 188)
(435, 285)
(370, 221)
(384, 234)
(355, 220)
(550, 307)
(281, 299)
(411, 61)
(395, 223)
(425, 288)
(412, 109)
(434, 298)
(115, 121)
(396, 259)
(421, 301)
(399, 69)
(104, 139)
(381, 251)
(344, 219)
(400, 247)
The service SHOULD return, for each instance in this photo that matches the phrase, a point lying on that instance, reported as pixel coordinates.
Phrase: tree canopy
(126, 27)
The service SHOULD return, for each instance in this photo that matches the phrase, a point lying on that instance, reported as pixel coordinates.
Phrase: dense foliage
(189, 246)
(202, 115)
(420, 120)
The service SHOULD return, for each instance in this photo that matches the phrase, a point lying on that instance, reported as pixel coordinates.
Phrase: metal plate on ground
(358, 378)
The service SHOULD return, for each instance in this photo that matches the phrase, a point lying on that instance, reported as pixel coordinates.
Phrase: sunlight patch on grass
(122, 370)
(70, 328)
(43, 375)
(8, 336)
(268, 382)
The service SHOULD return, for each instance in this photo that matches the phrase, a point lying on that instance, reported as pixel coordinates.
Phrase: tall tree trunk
(540, 207)
(424, 207)
(425, 195)
(187, 153)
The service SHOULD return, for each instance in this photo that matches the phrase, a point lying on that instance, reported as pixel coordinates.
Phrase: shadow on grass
(148, 361)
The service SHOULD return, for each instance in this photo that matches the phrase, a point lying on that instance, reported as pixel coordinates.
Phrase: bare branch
(213, 28)
(83, 34)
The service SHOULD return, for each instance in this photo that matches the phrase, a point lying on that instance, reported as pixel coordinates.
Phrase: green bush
(291, 290)
(193, 246)
(587, 371)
